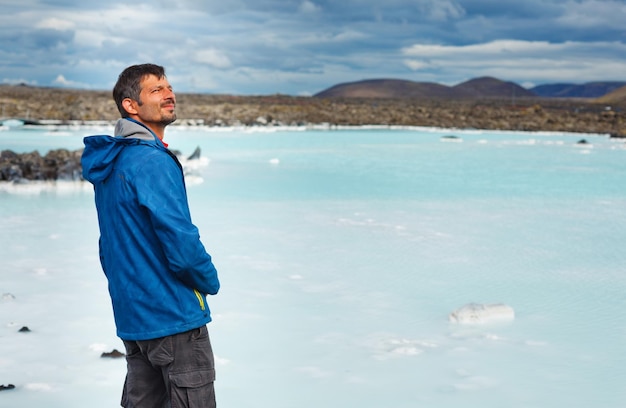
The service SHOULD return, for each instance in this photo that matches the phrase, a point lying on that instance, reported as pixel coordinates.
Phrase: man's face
(156, 101)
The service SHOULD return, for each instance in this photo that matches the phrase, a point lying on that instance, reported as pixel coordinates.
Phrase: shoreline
(57, 126)
(66, 106)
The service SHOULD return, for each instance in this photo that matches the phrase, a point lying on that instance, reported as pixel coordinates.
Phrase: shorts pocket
(193, 389)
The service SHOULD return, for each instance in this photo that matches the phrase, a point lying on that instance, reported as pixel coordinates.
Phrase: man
(159, 272)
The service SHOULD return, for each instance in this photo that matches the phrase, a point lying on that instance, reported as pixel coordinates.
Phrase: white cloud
(348, 35)
(522, 60)
(439, 10)
(319, 39)
(62, 81)
(92, 38)
(594, 13)
(55, 24)
(499, 47)
(213, 58)
(309, 7)
(417, 65)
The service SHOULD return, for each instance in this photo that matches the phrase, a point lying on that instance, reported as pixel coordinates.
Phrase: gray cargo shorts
(176, 371)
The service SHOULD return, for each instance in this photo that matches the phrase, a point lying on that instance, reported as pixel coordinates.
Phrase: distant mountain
(618, 96)
(387, 88)
(587, 90)
(488, 87)
(485, 87)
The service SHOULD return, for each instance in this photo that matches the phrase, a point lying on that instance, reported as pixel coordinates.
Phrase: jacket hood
(101, 151)
(129, 128)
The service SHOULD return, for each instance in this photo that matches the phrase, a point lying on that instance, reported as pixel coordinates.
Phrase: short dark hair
(129, 83)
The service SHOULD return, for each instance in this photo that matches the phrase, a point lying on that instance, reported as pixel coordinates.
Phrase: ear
(130, 106)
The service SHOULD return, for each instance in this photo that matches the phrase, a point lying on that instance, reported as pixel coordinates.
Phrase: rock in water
(113, 354)
(59, 164)
(195, 155)
(451, 138)
(476, 313)
(8, 296)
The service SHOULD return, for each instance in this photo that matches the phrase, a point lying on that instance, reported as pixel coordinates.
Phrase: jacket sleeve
(161, 191)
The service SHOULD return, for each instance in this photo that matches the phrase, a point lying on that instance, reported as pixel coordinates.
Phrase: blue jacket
(159, 272)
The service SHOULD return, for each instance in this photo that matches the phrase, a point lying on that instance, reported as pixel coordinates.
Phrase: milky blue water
(341, 255)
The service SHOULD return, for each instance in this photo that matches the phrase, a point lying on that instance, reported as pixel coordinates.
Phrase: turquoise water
(341, 254)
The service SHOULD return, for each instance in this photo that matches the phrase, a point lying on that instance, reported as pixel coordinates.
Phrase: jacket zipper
(200, 298)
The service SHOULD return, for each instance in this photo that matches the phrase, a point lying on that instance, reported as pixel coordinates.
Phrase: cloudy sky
(301, 47)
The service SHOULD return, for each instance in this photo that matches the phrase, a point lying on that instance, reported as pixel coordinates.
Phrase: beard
(167, 116)
(167, 119)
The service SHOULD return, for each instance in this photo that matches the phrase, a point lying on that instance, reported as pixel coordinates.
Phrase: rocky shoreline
(59, 164)
(65, 106)
(521, 114)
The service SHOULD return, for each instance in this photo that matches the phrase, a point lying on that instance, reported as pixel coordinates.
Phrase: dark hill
(387, 88)
(488, 87)
(587, 90)
(485, 87)
(618, 96)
